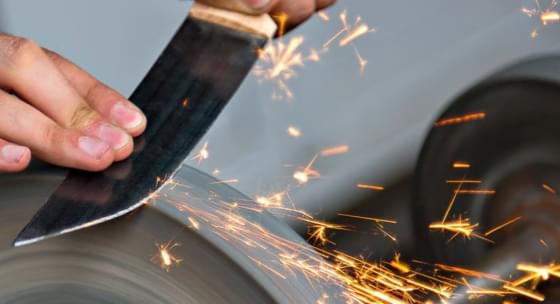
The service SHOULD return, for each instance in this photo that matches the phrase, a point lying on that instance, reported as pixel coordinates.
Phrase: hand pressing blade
(186, 89)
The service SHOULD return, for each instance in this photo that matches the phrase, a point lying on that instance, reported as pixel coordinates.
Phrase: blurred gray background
(422, 55)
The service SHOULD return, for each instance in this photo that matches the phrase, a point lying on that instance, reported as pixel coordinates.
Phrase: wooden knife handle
(260, 25)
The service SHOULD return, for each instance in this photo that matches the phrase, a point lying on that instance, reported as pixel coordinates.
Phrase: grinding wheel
(514, 151)
(117, 262)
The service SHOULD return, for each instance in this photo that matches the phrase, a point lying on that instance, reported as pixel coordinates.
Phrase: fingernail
(13, 153)
(93, 146)
(112, 135)
(256, 4)
(126, 116)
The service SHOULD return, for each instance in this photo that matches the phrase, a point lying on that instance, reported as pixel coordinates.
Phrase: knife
(183, 93)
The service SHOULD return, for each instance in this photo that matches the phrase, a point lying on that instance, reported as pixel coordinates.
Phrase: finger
(107, 102)
(322, 4)
(27, 70)
(296, 11)
(26, 126)
(13, 158)
(253, 7)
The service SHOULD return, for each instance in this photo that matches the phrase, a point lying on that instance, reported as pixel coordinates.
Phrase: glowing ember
(203, 154)
(461, 165)
(294, 132)
(165, 256)
(302, 176)
(546, 15)
(334, 151)
(460, 119)
(549, 188)
(370, 187)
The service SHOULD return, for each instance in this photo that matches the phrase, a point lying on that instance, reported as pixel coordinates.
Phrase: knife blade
(182, 94)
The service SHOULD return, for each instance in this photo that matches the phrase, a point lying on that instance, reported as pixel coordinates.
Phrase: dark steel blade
(204, 63)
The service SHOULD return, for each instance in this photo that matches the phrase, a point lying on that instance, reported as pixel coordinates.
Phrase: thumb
(253, 7)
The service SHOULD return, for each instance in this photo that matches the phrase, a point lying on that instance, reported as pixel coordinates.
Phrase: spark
(342, 149)
(227, 181)
(302, 176)
(459, 227)
(502, 226)
(185, 103)
(194, 223)
(477, 192)
(370, 187)
(461, 165)
(372, 219)
(400, 266)
(165, 256)
(460, 119)
(546, 16)
(202, 154)
(318, 231)
(549, 188)
(348, 34)
(216, 172)
(294, 132)
(323, 15)
(279, 61)
(525, 292)
(463, 181)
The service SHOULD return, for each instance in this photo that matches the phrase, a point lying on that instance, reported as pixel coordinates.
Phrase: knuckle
(17, 50)
(52, 137)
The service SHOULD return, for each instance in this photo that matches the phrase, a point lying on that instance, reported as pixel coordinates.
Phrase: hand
(52, 109)
(297, 10)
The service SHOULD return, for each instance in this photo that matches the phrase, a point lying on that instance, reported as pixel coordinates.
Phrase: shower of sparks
(165, 256)
(502, 226)
(203, 154)
(342, 149)
(371, 187)
(318, 231)
(348, 34)
(279, 61)
(459, 227)
(460, 119)
(461, 165)
(294, 132)
(546, 14)
(357, 280)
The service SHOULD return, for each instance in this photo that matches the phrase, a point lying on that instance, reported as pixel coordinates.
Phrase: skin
(53, 110)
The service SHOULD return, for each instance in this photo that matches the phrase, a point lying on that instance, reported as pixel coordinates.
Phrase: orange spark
(460, 119)
(477, 192)
(549, 189)
(502, 226)
(550, 17)
(303, 176)
(525, 292)
(342, 149)
(463, 181)
(185, 103)
(370, 187)
(461, 165)
(165, 256)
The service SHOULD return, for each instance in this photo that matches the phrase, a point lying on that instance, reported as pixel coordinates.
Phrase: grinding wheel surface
(113, 263)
